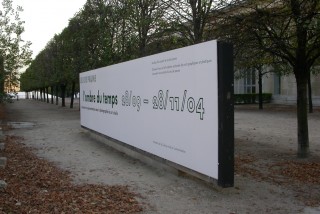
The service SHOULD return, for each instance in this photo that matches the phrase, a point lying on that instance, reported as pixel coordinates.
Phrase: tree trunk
(72, 93)
(57, 95)
(2, 74)
(63, 95)
(44, 94)
(52, 90)
(41, 91)
(260, 89)
(47, 94)
(302, 115)
(310, 94)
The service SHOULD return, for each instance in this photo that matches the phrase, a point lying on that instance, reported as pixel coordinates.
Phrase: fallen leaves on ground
(304, 172)
(301, 176)
(244, 165)
(37, 186)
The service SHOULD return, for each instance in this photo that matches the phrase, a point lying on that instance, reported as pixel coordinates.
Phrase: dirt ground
(268, 178)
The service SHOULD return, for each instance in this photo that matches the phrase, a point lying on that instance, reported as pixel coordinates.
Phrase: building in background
(282, 88)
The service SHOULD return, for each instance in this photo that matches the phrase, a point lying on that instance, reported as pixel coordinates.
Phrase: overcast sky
(44, 18)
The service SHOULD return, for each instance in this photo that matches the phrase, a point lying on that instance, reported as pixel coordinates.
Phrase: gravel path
(57, 134)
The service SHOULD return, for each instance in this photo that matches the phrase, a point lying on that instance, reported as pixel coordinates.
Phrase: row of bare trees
(283, 34)
(108, 32)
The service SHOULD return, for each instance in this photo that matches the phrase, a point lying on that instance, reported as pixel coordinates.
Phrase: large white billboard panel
(164, 104)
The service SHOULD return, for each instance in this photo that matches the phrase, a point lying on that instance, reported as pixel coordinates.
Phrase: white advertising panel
(164, 104)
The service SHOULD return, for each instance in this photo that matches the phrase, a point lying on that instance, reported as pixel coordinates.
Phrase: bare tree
(194, 19)
(290, 31)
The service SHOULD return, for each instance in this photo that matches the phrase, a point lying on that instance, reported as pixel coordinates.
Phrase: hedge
(251, 98)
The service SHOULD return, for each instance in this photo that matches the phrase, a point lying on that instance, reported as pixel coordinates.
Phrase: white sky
(44, 18)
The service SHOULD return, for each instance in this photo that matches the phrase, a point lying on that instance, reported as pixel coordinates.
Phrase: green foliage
(101, 34)
(14, 51)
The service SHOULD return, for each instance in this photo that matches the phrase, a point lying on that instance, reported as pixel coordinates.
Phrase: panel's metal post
(226, 115)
